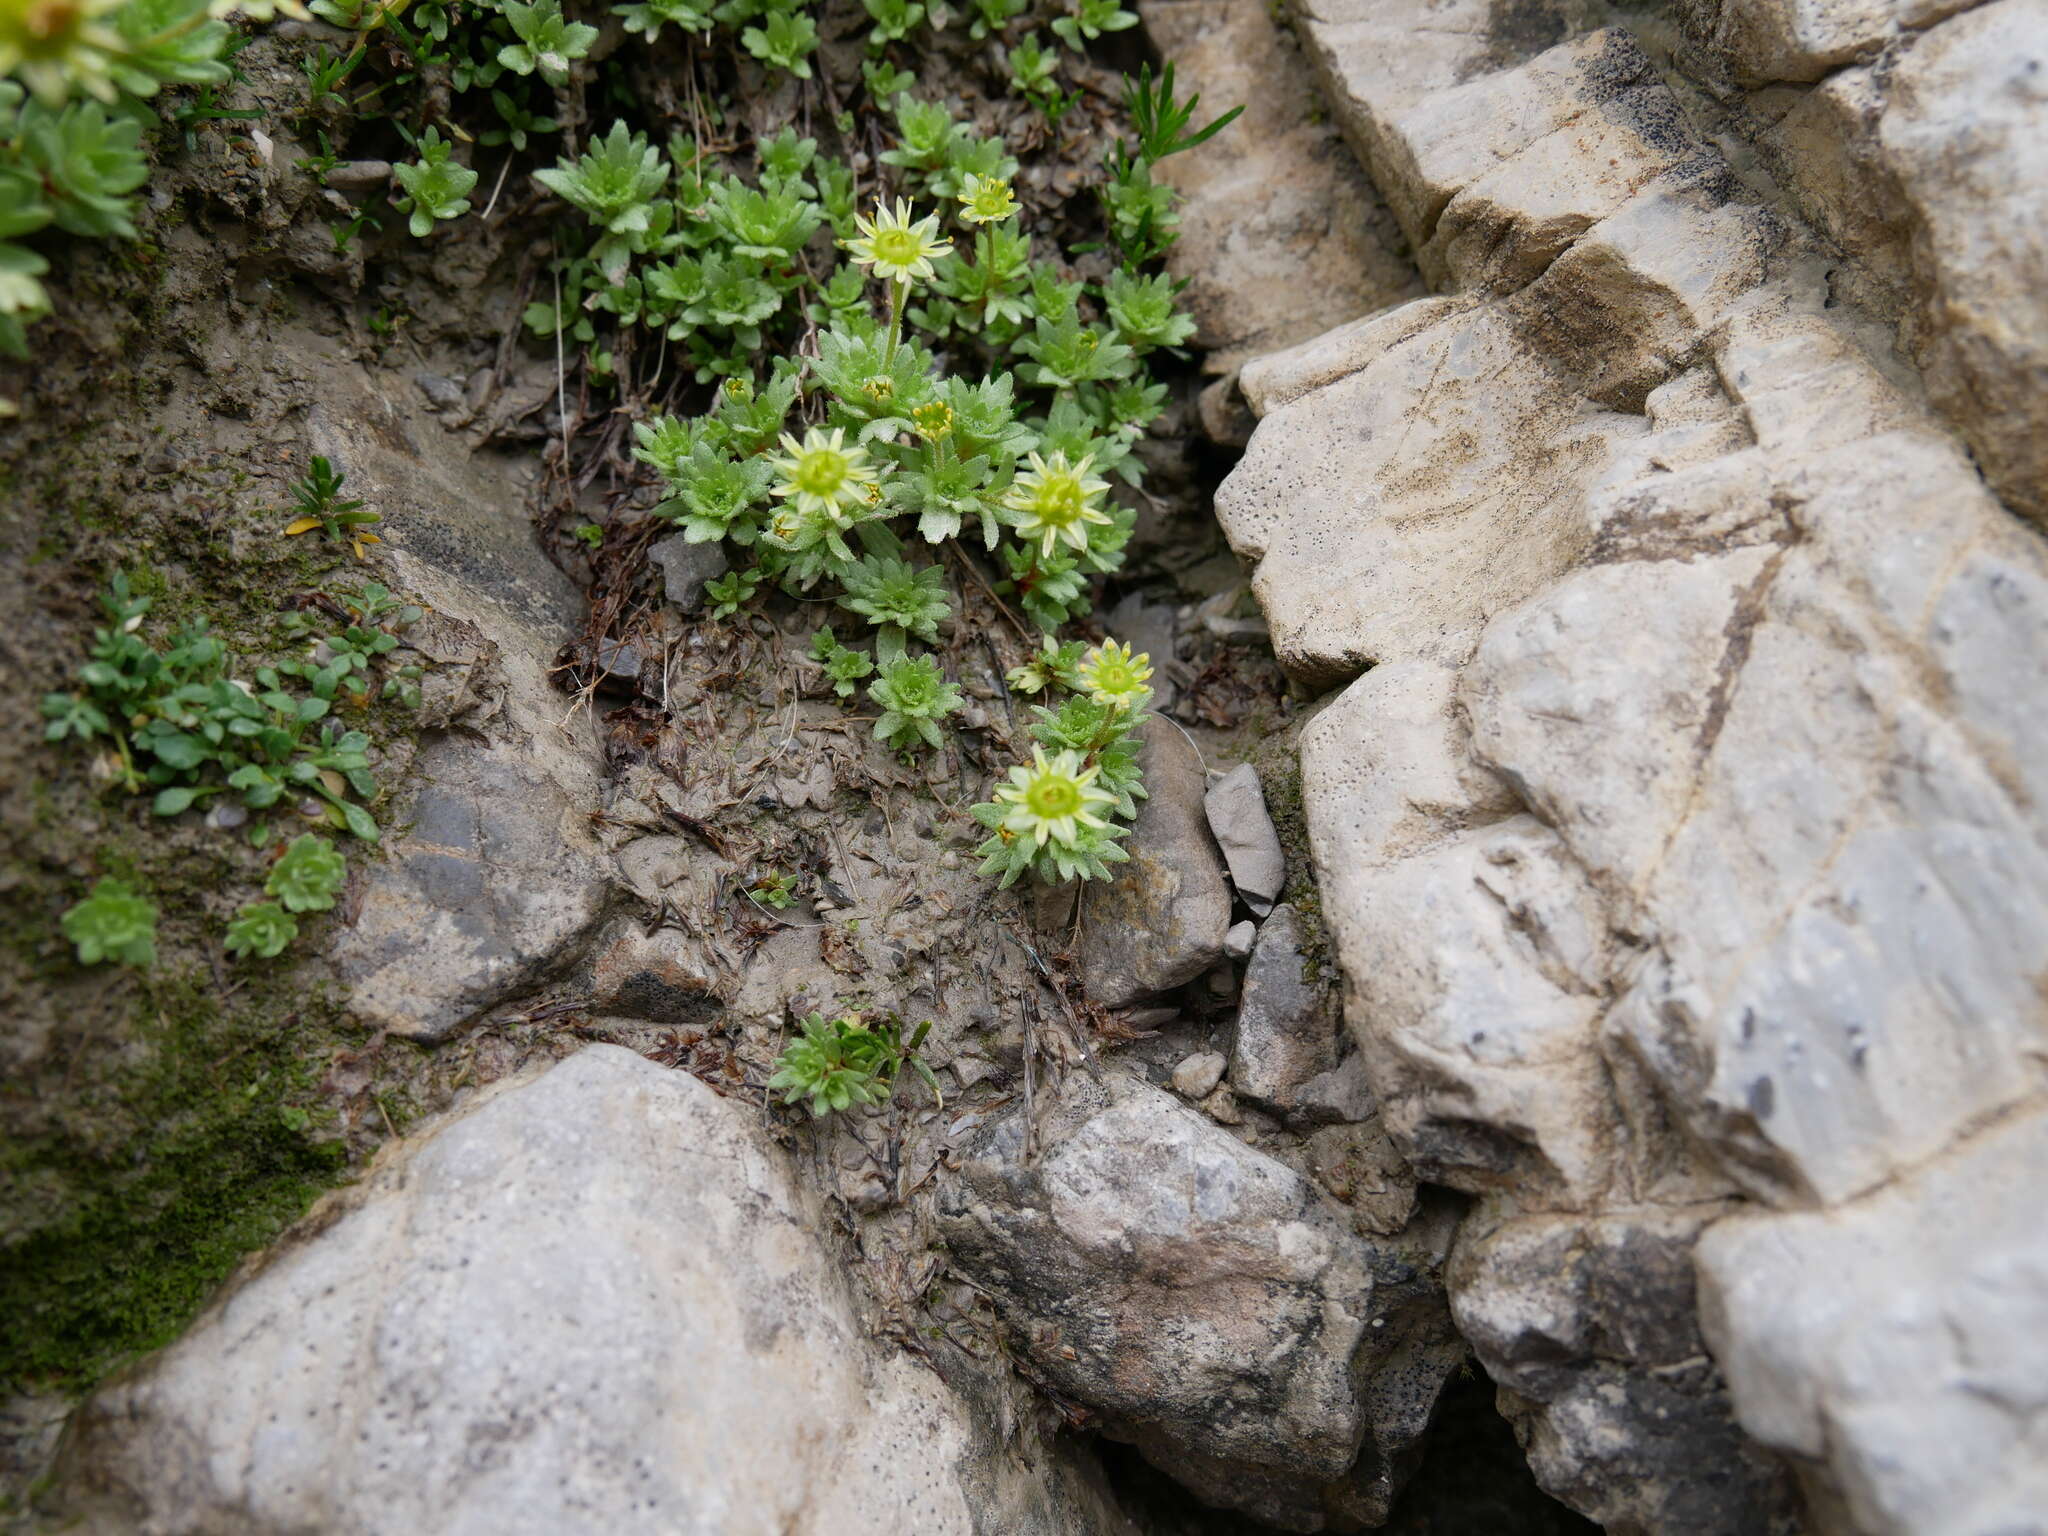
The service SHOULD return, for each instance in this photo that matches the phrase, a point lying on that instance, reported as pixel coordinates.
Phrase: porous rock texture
(1210, 1303)
(592, 1300)
(1678, 822)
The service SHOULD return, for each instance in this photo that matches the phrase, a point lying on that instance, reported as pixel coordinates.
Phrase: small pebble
(1238, 942)
(1198, 1076)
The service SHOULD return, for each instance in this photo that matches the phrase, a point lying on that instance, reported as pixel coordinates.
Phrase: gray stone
(1897, 1347)
(1287, 1023)
(1197, 1076)
(359, 175)
(1360, 1166)
(1590, 1330)
(493, 887)
(440, 390)
(1160, 923)
(493, 881)
(1210, 1304)
(659, 976)
(1244, 830)
(686, 567)
(591, 1300)
(1341, 1096)
(1237, 943)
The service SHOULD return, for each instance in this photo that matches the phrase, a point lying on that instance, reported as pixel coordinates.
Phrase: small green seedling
(436, 188)
(776, 888)
(308, 874)
(263, 929)
(317, 500)
(914, 697)
(113, 923)
(845, 1062)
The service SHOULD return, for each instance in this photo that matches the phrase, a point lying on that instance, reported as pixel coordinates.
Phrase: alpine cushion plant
(308, 875)
(1060, 815)
(842, 1062)
(263, 929)
(113, 923)
(436, 187)
(547, 42)
(615, 182)
(914, 697)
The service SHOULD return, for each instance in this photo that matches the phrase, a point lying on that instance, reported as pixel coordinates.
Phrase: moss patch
(198, 1142)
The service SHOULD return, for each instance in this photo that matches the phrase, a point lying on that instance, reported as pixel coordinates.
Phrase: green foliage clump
(845, 668)
(113, 923)
(261, 928)
(914, 697)
(436, 187)
(318, 501)
(182, 725)
(838, 1064)
(308, 874)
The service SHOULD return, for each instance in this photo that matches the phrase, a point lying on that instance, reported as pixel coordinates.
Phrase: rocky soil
(1578, 969)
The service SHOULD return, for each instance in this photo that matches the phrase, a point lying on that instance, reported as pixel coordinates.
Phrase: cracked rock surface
(1217, 1309)
(1676, 816)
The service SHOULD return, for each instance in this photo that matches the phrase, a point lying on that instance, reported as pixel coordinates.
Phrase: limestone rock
(1237, 943)
(591, 1300)
(1236, 807)
(1965, 131)
(1681, 846)
(1458, 492)
(1286, 1034)
(1214, 1308)
(1281, 236)
(1767, 40)
(1160, 923)
(1898, 1346)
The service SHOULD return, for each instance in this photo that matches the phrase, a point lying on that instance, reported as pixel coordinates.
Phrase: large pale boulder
(1898, 1346)
(593, 1300)
(1208, 1302)
(1681, 846)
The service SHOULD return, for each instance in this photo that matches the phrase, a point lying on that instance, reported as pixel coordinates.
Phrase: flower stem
(898, 292)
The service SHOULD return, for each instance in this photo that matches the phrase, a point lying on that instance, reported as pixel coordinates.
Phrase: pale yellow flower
(1112, 675)
(1052, 799)
(821, 475)
(896, 248)
(1055, 501)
